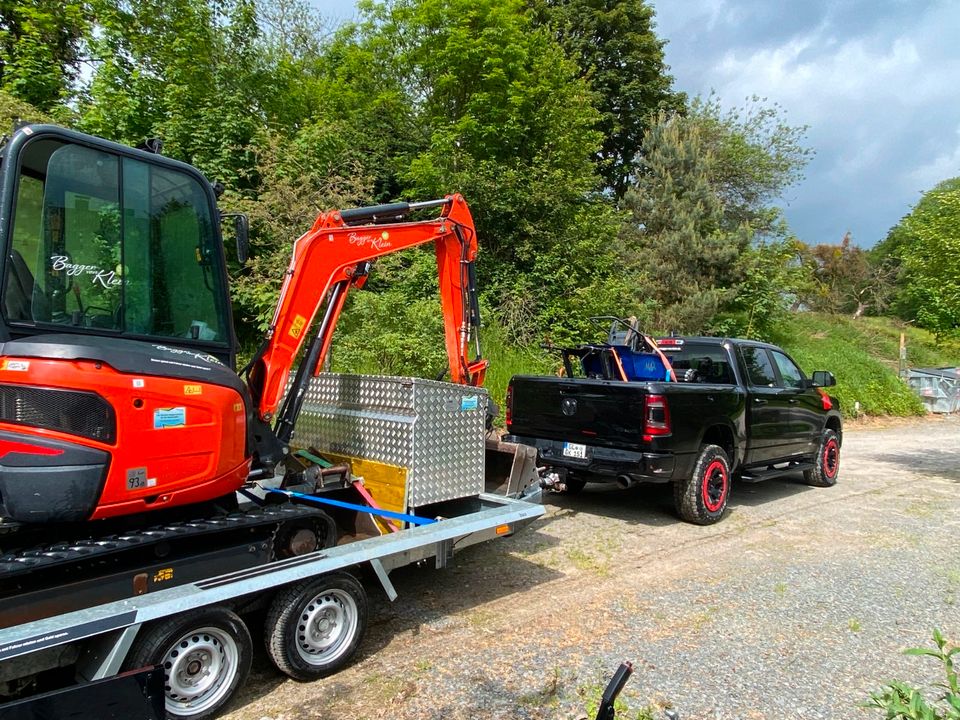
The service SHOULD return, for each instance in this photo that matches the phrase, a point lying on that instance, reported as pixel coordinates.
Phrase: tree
(40, 49)
(773, 280)
(676, 246)
(186, 71)
(927, 244)
(618, 52)
(317, 169)
(755, 156)
(499, 114)
(848, 279)
(703, 223)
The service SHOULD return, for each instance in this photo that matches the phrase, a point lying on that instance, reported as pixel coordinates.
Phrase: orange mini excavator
(118, 396)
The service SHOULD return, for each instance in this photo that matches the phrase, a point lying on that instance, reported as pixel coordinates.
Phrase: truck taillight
(509, 405)
(656, 417)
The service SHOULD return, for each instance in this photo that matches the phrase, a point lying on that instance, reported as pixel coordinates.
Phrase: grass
(508, 359)
(864, 356)
(588, 562)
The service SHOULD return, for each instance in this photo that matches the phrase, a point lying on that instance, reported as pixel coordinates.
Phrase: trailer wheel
(205, 655)
(314, 627)
(827, 463)
(702, 498)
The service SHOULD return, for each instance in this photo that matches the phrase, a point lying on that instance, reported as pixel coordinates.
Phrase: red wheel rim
(714, 486)
(831, 458)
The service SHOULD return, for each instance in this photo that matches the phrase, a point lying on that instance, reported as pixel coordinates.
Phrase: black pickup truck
(695, 411)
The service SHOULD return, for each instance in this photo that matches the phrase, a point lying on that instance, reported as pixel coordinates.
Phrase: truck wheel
(827, 463)
(205, 655)
(702, 498)
(314, 627)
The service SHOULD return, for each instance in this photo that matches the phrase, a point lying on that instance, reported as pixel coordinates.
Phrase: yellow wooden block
(387, 484)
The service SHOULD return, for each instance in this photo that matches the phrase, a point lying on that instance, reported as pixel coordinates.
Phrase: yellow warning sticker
(193, 389)
(163, 575)
(296, 327)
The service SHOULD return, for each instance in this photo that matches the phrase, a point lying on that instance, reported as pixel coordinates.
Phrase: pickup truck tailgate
(594, 412)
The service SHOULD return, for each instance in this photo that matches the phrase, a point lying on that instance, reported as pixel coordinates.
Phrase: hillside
(863, 354)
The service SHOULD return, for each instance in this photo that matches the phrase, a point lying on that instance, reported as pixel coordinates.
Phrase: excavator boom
(334, 255)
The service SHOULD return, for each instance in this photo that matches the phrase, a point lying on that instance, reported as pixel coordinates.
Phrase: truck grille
(69, 411)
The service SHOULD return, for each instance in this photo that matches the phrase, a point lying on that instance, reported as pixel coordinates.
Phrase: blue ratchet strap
(403, 517)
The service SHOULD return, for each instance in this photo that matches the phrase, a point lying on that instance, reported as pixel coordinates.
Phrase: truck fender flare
(733, 448)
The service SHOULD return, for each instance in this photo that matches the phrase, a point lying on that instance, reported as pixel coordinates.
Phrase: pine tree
(677, 252)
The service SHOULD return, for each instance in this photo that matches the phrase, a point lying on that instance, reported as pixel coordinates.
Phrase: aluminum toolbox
(433, 430)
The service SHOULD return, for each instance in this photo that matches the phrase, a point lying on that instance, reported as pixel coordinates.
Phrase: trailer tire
(827, 463)
(702, 498)
(314, 627)
(205, 655)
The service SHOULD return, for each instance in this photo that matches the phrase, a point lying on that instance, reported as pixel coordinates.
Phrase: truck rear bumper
(606, 463)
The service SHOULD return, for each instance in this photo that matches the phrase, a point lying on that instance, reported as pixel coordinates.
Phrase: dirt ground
(796, 605)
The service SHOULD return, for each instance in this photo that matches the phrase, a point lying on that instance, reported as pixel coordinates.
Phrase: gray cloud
(875, 81)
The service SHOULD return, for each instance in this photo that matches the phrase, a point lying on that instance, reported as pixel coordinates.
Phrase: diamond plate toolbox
(435, 430)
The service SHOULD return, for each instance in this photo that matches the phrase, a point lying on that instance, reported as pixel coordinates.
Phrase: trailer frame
(105, 633)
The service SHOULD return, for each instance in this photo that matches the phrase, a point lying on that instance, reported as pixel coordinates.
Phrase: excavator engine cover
(96, 427)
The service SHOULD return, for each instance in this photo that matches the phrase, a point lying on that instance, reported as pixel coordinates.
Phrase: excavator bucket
(511, 469)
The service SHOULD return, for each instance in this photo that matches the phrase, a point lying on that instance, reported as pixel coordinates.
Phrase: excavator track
(73, 574)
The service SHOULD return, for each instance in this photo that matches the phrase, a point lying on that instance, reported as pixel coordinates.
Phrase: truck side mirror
(823, 378)
(241, 230)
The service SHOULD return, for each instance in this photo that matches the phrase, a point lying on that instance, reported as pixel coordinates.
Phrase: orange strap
(623, 375)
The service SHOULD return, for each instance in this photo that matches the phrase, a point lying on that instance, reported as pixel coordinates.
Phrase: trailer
(182, 651)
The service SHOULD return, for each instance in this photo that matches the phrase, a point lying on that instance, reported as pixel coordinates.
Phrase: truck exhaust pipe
(624, 482)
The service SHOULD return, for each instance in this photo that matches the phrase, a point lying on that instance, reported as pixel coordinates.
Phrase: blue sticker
(169, 417)
(470, 402)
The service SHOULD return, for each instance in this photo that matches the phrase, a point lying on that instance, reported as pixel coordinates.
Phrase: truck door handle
(793, 401)
(759, 401)
(710, 398)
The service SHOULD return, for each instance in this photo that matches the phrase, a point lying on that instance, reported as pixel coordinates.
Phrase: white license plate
(575, 450)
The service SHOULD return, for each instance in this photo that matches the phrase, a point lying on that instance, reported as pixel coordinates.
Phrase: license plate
(575, 450)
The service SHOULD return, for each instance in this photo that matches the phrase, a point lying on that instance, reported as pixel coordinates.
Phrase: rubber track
(92, 549)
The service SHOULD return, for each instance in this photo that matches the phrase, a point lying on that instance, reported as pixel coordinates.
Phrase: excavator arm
(335, 255)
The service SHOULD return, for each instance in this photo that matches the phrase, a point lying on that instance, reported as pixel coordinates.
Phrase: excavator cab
(117, 393)
(105, 240)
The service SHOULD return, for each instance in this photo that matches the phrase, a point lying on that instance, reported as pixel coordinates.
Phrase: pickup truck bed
(739, 403)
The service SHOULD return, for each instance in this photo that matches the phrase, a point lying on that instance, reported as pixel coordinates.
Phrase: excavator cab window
(108, 243)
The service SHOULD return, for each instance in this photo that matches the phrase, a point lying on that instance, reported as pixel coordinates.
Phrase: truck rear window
(699, 363)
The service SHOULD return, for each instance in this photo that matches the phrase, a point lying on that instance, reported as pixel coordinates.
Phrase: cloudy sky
(876, 81)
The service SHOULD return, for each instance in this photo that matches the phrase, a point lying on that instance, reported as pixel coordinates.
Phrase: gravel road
(796, 605)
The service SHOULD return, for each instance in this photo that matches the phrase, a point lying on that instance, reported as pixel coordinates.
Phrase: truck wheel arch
(834, 423)
(723, 437)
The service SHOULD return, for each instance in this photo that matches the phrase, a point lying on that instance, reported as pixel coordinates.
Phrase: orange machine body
(94, 427)
(174, 441)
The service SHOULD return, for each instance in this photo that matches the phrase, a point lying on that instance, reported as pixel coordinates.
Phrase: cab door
(768, 408)
(806, 409)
